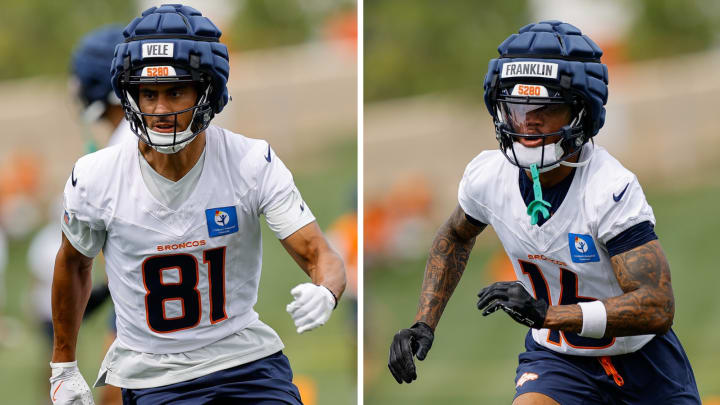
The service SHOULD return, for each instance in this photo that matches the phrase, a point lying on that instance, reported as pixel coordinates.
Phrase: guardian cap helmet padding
(171, 44)
(543, 65)
(90, 69)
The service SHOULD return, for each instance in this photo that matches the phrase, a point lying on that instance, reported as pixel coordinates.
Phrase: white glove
(312, 306)
(67, 385)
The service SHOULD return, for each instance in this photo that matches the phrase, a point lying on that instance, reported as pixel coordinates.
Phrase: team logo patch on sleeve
(582, 248)
(221, 221)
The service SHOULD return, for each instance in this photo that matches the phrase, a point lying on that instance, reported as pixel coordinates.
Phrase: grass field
(326, 356)
(473, 359)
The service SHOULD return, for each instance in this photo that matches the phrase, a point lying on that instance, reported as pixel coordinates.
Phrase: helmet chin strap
(156, 138)
(170, 149)
(527, 156)
(581, 163)
(524, 156)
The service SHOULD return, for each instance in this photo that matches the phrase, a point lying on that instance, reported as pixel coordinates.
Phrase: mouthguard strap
(538, 206)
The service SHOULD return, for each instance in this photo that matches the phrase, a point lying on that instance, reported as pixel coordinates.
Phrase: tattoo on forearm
(648, 305)
(448, 257)
(564, 317)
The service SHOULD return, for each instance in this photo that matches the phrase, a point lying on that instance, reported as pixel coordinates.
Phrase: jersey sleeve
(471, 190)
(82, 223)
(622, 206)
(279, 199)
(636, 235)
(289, 215)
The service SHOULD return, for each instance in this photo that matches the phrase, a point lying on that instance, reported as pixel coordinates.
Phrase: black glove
(417, 340)
(511, 297)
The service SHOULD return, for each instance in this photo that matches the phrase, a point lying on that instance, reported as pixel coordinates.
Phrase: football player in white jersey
(593, 283)
(177, 218)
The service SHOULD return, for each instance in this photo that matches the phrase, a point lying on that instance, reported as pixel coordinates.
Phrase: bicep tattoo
(648, 305)
(448, 257)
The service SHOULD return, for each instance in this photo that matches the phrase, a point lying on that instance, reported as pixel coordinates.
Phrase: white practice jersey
(182, 279)
(565, 260)
(122, 133)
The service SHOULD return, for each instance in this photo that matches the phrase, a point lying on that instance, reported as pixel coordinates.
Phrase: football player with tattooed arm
(176, 215)
(593, 282)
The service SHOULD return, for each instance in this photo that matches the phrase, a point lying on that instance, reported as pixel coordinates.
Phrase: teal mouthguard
(538, 205)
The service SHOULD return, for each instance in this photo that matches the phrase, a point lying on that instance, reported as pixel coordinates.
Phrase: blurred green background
(420, 47)
(293, 82)
(425, 119)
(36, 36)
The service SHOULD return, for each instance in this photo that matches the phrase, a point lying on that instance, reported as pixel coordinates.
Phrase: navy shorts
(658, 373)
(261, 382)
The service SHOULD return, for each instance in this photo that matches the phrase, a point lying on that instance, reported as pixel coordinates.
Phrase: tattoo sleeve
(648, 305)
(446, 262)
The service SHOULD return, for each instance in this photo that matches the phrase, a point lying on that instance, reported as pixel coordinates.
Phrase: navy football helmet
(548, 69)
(90, 69)
(171, 44)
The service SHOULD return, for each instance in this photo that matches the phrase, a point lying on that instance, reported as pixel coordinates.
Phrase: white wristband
(594, 319)
(69, 364)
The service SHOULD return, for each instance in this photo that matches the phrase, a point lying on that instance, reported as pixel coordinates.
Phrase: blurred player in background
(91, 87)
(594, 283)
(177, 219)
(90, 80)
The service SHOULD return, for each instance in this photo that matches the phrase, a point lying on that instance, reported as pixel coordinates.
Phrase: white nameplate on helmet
(532, 90)
(158, 71)
(157, 50)
(530, 69)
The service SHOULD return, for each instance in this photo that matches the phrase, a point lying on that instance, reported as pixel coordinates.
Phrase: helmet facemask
(167, 143)
(551, 119)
